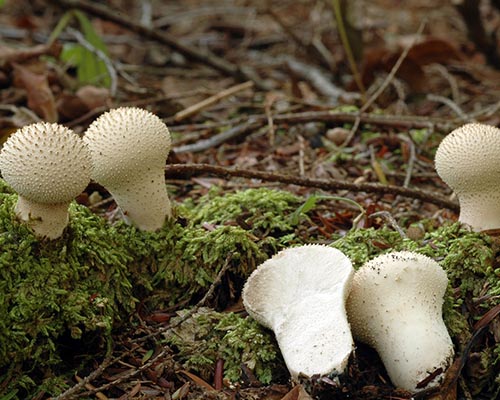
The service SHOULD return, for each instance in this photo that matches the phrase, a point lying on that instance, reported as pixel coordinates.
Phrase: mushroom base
(315, 338)
(481, 212)
(414, 350)
(46, 220)
(145, 204)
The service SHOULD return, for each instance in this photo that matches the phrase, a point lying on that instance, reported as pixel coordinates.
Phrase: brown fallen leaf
(40, 97)
(13, 55)
(428, 51)
(297, 393)
(94, 97)
(197, 380)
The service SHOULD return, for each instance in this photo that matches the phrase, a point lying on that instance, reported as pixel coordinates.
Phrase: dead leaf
(429, 51)
(94, 97)
(40, 97)
(181, 392)
(70, 106)
(13, 55)
(297, 393)
(197, 380)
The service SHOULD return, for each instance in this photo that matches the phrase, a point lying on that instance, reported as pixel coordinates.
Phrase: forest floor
(263, 94)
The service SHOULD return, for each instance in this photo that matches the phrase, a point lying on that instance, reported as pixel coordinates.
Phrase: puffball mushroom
(467, 160)
(395, 306)
(48, 166)
(300, 294)
(129, 147)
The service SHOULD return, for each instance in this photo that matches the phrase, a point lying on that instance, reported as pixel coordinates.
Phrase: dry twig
(195, 108)
(255, 121)
(385, 83)
(325, 184)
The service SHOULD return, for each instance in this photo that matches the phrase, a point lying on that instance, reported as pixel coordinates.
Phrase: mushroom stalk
(480, 212)
(151, 216)
(46, 220)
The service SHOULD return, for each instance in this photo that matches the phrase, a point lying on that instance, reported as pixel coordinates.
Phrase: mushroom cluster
(394, 303)
(129, 147)
(124, 150)
(48, 166)
(466, 160)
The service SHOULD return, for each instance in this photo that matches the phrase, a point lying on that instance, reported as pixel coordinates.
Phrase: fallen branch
(325, 184)
(216, 140)
(191, 52)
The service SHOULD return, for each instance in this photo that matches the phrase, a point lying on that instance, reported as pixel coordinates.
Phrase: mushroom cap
(300, 293)
(46, 163)
(125, 143)
(395, 305)
(467, 159)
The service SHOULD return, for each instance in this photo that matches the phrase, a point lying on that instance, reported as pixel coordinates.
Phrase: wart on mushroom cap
(467, 160)
(48, 166)
(395, 306)
(300, 294)
(129, 147)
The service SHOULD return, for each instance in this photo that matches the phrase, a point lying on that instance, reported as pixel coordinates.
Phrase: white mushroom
(395, 306)
(467, 160)
(129, 147)
(300, 294)
(48, 166)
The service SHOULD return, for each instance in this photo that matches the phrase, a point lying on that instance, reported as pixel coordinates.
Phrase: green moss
(208, 336)
(262, 210)
(86, 283)
(46, 287)
(83, 285)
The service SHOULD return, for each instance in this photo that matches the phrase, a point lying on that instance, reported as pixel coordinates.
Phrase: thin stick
(195, 108)
(202, 145)
(270, 99)
(387, 216)
(385, 83)
(394, 69)
(88, 386)
(411, 159)
(301, 155)
(69, 393)
(101, 55)
(325, 184)
(254, 121)
(450, 103)
(347, 46)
